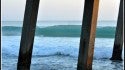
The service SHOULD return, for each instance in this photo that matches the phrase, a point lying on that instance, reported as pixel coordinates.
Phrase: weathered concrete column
(118, 44)
(28, 32)
(88, 32)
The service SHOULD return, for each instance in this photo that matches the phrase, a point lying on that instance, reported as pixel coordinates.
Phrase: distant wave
(60, 31)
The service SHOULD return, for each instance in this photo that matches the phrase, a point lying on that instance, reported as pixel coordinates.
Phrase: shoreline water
(58, 53)
(62, 63)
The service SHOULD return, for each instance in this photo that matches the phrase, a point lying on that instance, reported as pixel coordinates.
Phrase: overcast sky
(58, 10)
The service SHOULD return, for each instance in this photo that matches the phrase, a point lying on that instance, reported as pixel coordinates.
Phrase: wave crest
(60, 31)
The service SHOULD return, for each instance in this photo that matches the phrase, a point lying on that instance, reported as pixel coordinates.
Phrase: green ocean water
(60, 31)
(56, 46)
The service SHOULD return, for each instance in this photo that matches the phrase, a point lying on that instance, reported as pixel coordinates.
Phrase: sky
(58, 10)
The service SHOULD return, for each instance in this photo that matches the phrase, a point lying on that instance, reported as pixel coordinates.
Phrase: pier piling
(87, 39)
(118, 44)
(88, 32)
(28, 32)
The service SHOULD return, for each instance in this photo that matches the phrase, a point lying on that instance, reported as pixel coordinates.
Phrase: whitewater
(51, 52)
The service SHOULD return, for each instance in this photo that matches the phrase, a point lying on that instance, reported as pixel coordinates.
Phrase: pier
(87, 39)
(28, 32)
(118, 44)
(88, 32)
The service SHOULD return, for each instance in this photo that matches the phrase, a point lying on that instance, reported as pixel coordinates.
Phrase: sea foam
(61, 46)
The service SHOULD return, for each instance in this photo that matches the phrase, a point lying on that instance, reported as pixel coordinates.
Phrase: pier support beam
(118, 44)
(87, 39)
(28, 32)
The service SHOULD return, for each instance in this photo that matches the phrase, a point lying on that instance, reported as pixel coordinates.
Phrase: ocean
(56, 45)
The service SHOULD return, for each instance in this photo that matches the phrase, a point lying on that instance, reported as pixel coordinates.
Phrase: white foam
(47, 46)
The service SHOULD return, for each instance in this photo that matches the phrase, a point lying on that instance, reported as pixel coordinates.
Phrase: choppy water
(51, 52)
(58, 53)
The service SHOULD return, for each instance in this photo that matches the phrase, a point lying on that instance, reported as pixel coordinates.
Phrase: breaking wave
(60, 31)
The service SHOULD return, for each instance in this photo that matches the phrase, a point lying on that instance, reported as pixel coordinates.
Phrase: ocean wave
(50, 46)
(60, 31)
(64, 47)
(58, 51)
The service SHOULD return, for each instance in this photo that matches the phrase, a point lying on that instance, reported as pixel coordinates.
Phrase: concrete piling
(28, 32)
